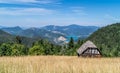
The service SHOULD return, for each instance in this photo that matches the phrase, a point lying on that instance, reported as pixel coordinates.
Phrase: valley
(52, 33)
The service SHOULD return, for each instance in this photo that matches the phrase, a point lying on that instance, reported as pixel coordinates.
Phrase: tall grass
(58, 64)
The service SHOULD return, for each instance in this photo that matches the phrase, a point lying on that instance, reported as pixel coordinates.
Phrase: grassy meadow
(58, 64)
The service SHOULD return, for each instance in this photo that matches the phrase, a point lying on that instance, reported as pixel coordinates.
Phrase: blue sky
(37, 13)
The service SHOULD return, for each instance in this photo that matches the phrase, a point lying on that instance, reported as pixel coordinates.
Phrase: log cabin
(88, 49)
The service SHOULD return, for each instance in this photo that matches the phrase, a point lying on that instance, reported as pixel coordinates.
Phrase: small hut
(88, 49)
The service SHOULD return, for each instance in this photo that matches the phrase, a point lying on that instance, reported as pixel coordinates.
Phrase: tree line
(40, 47)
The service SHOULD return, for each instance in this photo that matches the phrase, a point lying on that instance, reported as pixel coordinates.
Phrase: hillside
(5, 37)
(53, 33)
(108, 39)
(41, 33)
(12, 30)
(8, 38)
(72, 30)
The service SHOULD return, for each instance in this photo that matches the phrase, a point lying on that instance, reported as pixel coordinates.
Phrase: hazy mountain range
(53, 33)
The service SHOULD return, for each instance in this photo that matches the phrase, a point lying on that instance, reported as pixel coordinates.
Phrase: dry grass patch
(58, 64)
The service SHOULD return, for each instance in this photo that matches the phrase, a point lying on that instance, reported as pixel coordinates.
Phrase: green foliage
(17, 50)
(79, 43)
(5, 49)
(71, 46)
(5, 37)
(71, 43)
(107, 40)
(36, 50)
(43, 47)
(18, 40)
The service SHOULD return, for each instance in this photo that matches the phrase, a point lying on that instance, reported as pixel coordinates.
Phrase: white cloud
(29, 1)
(12, 1)
(108, 16)
(25, 11)
(79, 10)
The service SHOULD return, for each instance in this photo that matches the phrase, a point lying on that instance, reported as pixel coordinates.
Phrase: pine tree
(18, 40)
(71, 47)
(71, 43)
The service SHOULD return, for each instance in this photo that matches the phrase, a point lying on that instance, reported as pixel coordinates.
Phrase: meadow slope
(58, 64)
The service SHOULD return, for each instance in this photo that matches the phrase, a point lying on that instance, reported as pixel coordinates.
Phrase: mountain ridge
(53, 32)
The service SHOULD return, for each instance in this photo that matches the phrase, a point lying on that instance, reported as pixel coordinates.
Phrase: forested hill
(8, 38)
(108, 39)
(5, 37)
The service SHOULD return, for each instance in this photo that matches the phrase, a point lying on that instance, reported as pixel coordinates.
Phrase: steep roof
(85, 46)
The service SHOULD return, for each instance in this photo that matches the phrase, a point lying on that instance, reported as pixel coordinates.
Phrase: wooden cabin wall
(91, 52)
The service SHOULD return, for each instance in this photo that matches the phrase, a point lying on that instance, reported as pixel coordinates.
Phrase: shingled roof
(86, 45)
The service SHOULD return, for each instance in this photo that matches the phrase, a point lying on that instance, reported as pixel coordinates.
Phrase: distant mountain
(12, 30)
(41, 33)
(72, 30)
(8, 38)
(55, 34)
(1, 26)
